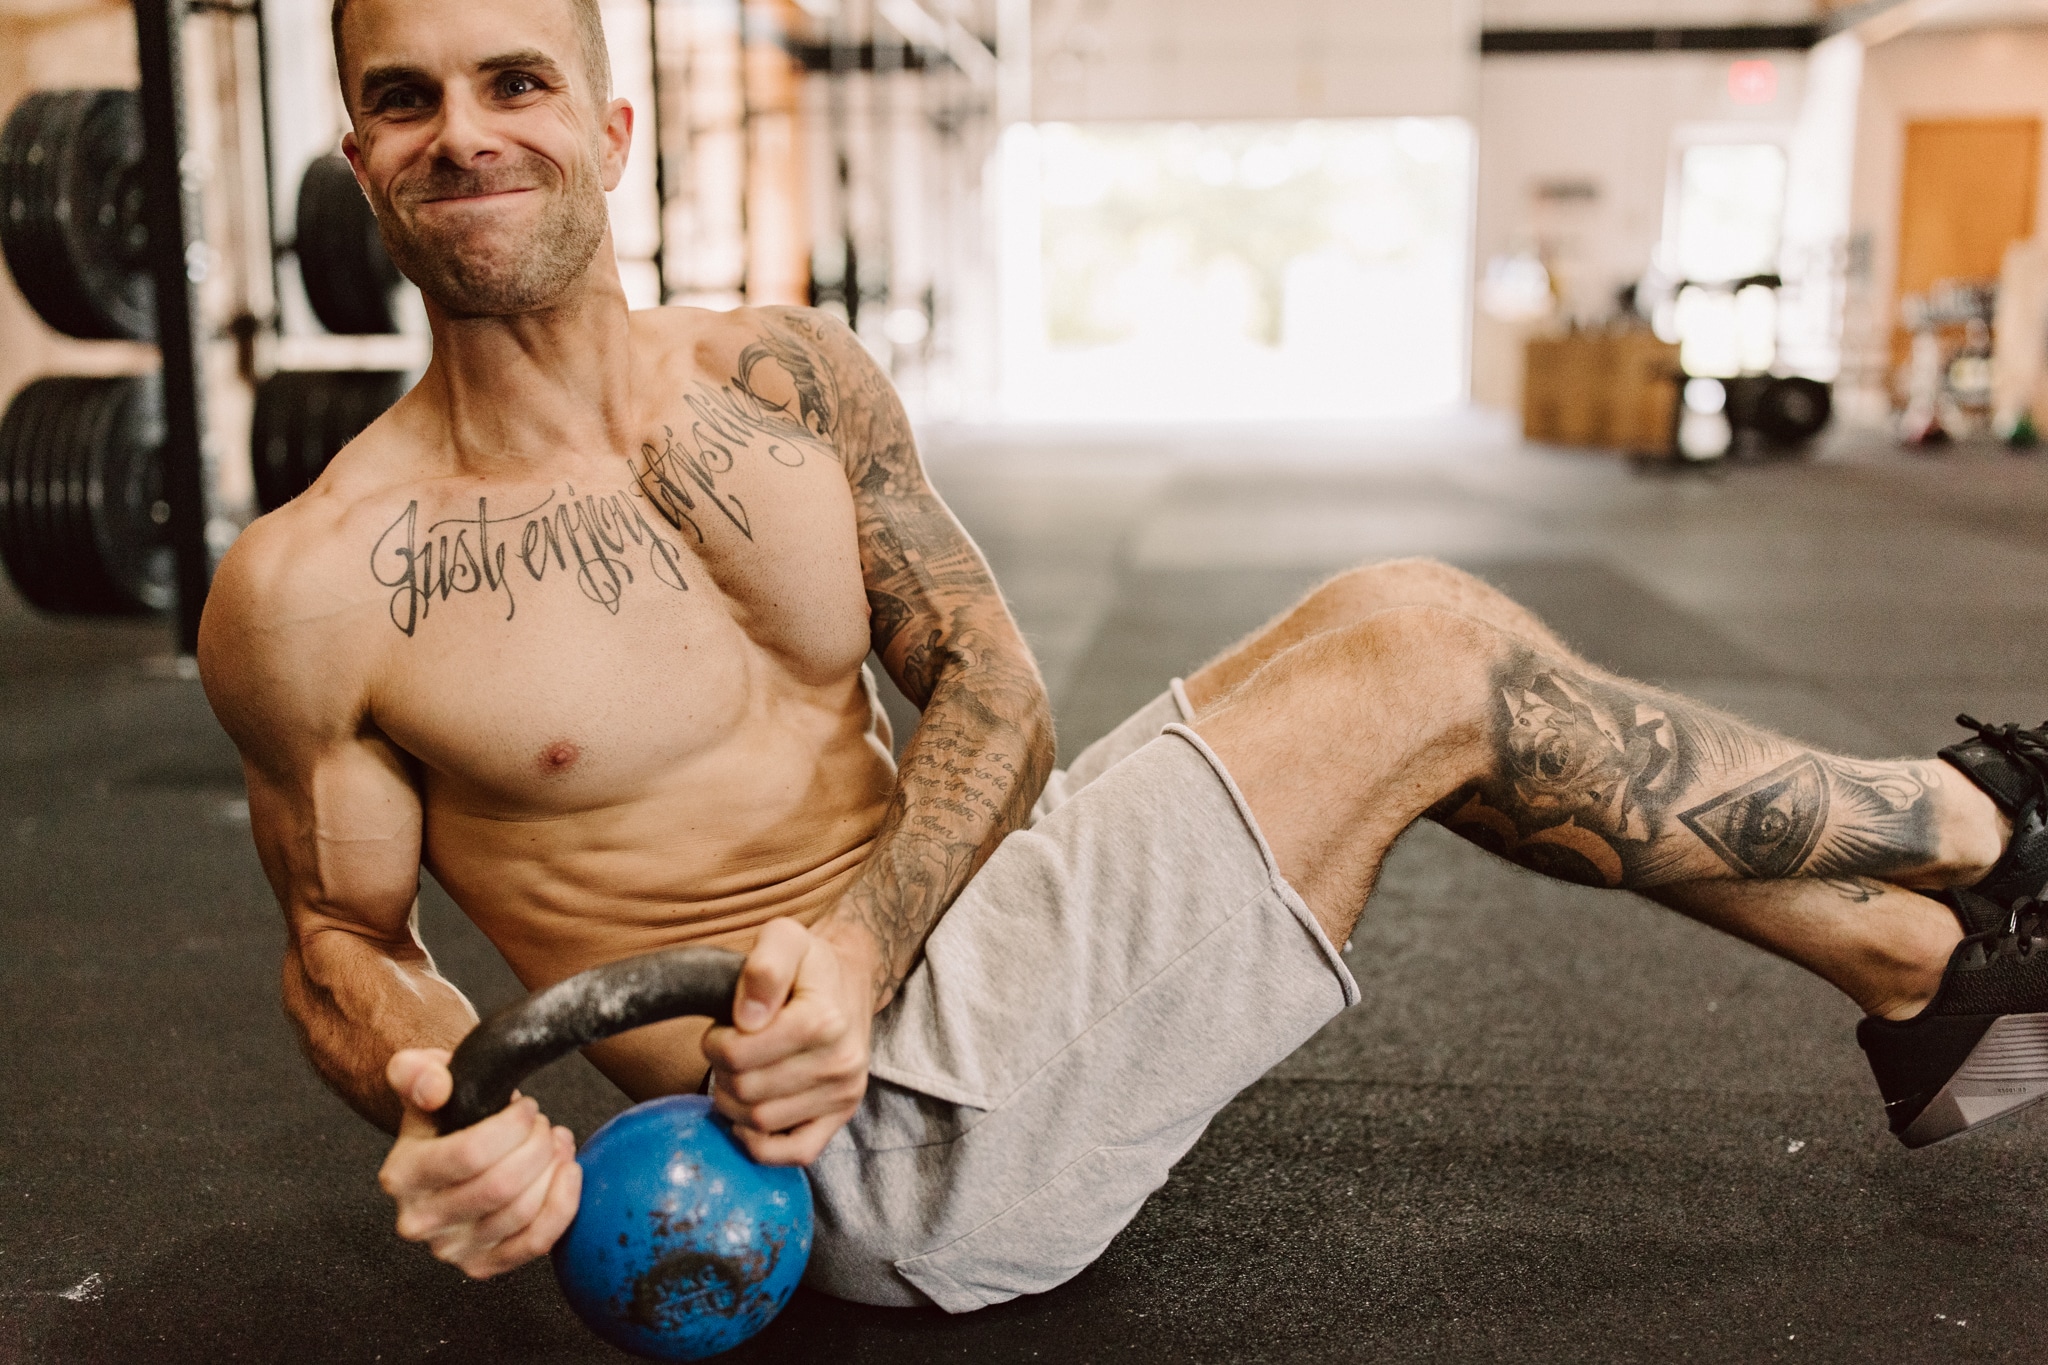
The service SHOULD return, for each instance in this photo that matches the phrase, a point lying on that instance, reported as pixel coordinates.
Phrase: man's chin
(469, 283)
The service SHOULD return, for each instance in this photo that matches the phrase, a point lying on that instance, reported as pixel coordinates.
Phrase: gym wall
(1214, 60)
(1576, 151)
(1988, 73)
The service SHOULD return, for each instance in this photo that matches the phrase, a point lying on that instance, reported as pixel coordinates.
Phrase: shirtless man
(579, 625)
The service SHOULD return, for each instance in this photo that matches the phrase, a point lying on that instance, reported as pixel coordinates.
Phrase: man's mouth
(484, 197)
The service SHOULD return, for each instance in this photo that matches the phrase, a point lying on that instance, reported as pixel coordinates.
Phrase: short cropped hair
(597, 60)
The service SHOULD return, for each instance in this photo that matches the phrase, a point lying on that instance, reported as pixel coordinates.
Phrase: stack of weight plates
(83, 521)
(304, 417)
(71, 216)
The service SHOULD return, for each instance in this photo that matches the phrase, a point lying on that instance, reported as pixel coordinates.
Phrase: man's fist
(794, 1066)
(488, 1198)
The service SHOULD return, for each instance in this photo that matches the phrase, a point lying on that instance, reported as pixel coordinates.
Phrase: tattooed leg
(1882, 945)
(1611, 783)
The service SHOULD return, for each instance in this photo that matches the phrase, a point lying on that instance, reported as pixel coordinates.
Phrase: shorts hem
(1287, 894)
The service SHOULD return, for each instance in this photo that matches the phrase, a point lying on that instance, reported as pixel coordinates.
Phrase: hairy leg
(1614, 783)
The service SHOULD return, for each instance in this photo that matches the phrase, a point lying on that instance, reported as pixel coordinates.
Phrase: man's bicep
(338, 828)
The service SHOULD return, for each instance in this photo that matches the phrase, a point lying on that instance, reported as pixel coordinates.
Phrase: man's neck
(519, 392)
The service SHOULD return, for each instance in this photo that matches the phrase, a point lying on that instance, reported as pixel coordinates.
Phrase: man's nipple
(558, 758)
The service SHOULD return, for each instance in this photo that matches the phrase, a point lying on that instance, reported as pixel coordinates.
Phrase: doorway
(1967, 193)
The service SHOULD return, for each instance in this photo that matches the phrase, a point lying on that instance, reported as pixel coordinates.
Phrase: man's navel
(558, 758)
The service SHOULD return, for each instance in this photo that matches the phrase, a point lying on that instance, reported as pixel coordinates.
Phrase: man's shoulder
(720, 340)
(293, 598)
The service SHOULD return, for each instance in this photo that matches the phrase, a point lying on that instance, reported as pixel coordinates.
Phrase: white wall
(1989, 73)
(1607, 120)
(1214, 60)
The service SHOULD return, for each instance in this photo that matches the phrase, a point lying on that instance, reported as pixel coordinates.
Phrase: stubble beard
(471, 281)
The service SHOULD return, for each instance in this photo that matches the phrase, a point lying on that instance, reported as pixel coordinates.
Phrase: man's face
(480, 142)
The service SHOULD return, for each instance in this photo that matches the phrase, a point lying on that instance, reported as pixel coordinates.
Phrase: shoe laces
(2024, 930)
(2028, 749)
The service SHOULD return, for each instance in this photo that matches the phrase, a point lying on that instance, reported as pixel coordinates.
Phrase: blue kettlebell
(683, 1246)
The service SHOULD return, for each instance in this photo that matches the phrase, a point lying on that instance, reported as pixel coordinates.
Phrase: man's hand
(486, 1199)
(794, 1066)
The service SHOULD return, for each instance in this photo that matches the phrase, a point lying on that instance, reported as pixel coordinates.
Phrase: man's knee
(1407, 653)
(1369, 588)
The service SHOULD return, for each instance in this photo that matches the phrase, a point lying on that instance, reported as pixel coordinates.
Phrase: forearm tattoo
(1613, 784)
(983, 749)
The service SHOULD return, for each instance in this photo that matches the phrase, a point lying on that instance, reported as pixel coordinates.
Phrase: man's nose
(463, 136)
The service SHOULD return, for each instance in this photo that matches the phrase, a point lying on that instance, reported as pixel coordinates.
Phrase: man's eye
(403, 97)
(517, 83)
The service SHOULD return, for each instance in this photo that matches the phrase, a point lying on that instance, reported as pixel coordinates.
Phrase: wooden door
(1968, 192)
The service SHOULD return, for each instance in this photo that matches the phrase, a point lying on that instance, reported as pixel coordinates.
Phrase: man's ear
(617, 140)
(353, 150)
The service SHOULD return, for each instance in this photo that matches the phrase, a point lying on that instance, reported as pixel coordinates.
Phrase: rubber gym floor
(1563, 1124)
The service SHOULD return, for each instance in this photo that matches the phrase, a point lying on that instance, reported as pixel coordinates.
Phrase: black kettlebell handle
(526, 1035)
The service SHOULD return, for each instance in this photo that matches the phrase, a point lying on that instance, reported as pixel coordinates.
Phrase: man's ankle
(1911, 964)
(1974, 836)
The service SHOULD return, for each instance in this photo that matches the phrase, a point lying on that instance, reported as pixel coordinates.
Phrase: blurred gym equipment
(72, 227)
(84, 526)
(304, 417)
(349, 279)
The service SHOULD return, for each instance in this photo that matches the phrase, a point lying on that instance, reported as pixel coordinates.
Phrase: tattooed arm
(790, 1074)
(981, 754)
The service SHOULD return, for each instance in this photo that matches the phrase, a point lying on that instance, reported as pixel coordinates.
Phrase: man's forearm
(355, 1001)
(969, 775)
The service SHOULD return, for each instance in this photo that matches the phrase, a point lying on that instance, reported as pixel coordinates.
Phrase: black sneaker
(2011, 765)
(1979, 1051)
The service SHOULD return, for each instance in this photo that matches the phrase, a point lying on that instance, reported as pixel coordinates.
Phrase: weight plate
(70, 578)
(107, 232)
(348, 276)
(131, 516)
(80, 471)
(72, 229)
(304, 418)
(45, 543)
(21, 437)
(87, 569)
(1794, 409)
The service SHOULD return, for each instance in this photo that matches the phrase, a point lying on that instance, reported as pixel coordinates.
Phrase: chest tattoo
(596, 538)
(603, 540)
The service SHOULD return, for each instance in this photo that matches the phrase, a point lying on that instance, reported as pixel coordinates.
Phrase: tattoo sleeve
(982, 751)
(1616, 784)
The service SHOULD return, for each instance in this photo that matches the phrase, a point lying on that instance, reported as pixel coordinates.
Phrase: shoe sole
(2004, 1073)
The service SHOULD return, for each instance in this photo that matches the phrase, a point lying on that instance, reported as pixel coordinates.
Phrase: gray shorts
(1108, 981)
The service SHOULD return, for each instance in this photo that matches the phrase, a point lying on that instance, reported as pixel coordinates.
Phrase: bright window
(1314, 268)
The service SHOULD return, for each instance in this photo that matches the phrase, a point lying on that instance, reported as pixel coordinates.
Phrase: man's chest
(558, 641)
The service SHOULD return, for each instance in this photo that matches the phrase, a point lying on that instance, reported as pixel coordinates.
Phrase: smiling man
(580, 625)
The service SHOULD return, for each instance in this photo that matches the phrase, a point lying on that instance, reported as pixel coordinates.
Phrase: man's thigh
(1107, 983)
(1137, 730)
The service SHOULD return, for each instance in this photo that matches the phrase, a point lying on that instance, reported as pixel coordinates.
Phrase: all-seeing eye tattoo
(1617, 784)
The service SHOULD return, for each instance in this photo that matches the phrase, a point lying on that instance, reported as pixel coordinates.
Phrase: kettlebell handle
(526, 1035)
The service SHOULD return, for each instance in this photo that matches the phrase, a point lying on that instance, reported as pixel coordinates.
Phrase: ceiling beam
(1500, 42)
